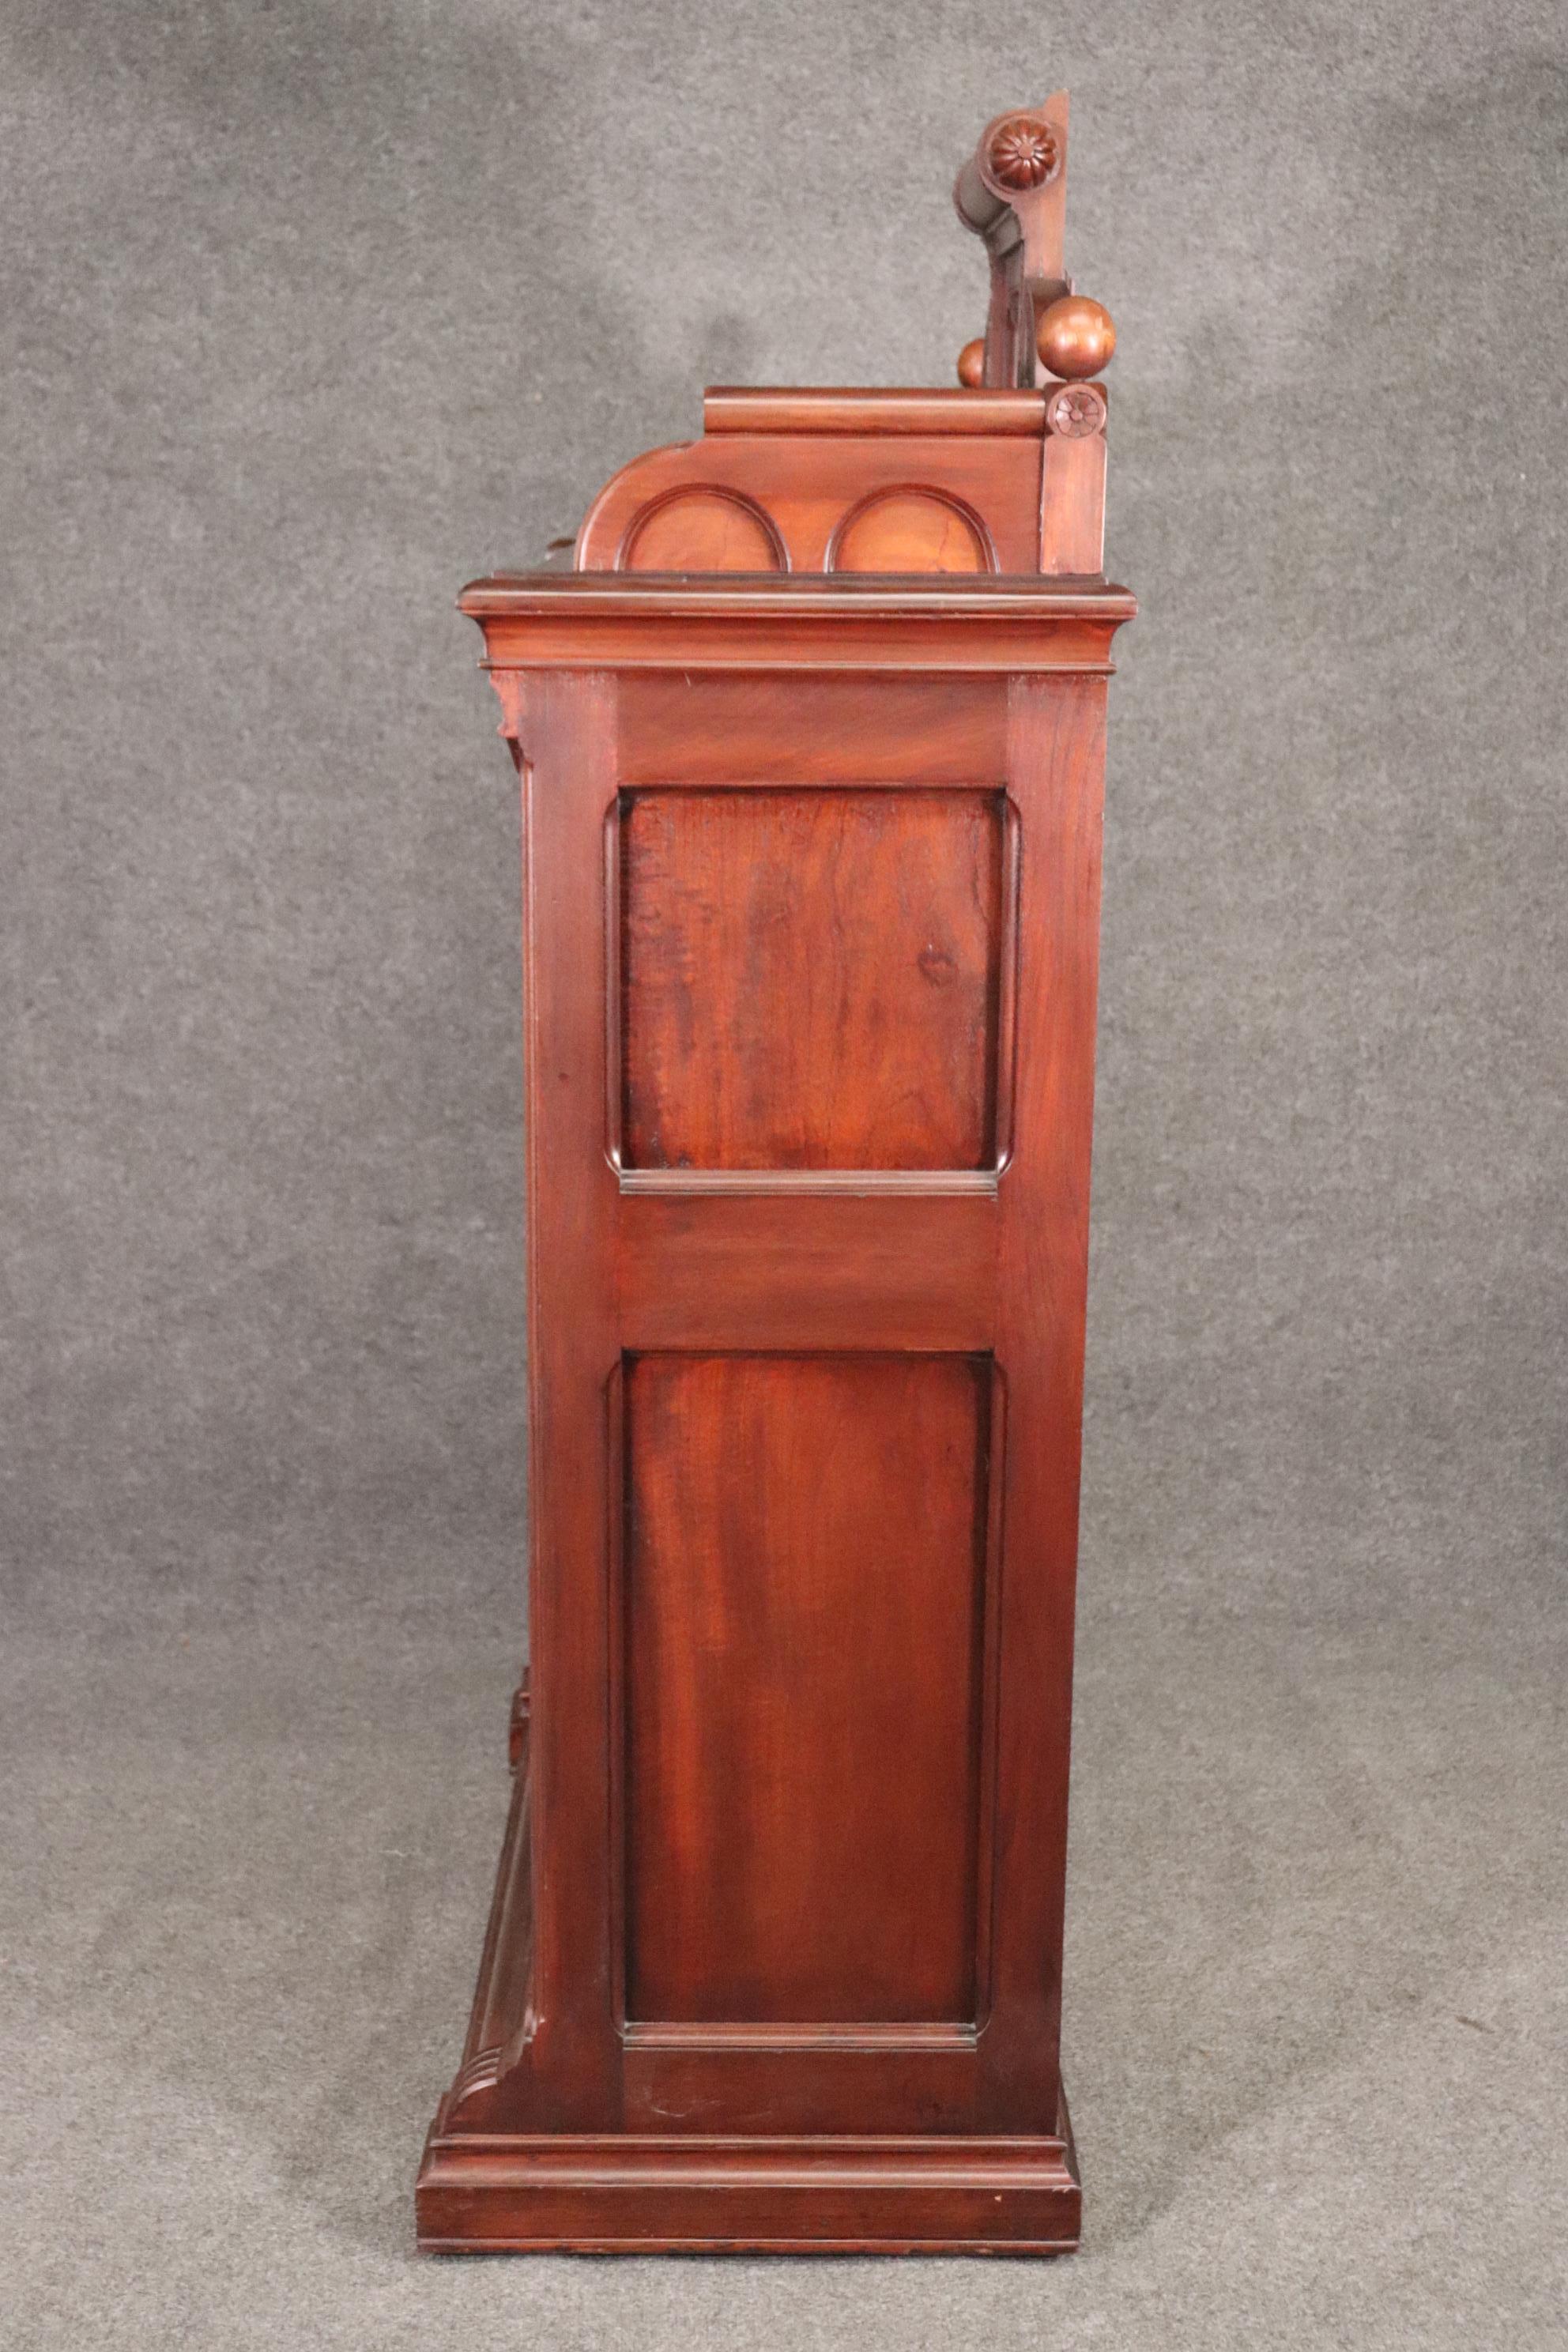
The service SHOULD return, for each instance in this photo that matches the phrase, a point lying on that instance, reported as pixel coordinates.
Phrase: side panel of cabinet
(803, 1552)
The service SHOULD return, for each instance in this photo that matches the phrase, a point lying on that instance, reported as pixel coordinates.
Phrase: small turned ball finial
(1023, 153)
(1075, 337)
(972, 364)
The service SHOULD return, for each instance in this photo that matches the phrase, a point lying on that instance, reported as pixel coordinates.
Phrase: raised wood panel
(912, 531)
(811, 980)
(702, 530)
(803, 1580)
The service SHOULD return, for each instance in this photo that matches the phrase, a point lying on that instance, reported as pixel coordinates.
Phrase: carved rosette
(1075, 411)
(1024, 153)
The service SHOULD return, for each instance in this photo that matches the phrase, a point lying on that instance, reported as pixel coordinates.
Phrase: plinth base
(483, 2192)
(612, 2194)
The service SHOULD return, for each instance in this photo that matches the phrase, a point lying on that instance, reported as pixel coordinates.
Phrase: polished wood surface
(811, 751)
(768, 1772)
(584, 621)
(702, 530)
(980, 498)
(1013, 192)
(1075, 337)
(804, 726)
(805, 489)
(810, 978)
(812, 411)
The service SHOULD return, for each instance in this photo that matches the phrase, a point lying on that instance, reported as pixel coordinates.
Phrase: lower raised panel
(803, 1609)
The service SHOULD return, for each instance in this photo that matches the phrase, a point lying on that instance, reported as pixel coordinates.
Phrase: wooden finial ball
(972, 364)
(1075, 336)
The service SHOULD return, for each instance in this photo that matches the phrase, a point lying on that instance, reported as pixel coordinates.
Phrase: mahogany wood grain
(911, 529)
(1072, 498)
(806, 485)
(568, 774)
(754, 727)
(792, 1733)
(580, 621)
(703, 530)
(1057, 769)
(812, 875)
(777, 2194)
(862, 1281)
(810, 978)
(809, 1268)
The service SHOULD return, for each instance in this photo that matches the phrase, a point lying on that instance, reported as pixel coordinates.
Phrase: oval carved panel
(702, 530)
(912, 531)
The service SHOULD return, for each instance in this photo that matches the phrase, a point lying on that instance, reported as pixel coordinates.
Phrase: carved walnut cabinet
(810, 738)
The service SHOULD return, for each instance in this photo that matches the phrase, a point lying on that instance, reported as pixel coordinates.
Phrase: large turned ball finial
(972, 364)
(1075, 337)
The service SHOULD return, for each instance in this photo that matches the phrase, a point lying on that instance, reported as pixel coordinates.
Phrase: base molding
(608, 2193)
(487, 2191)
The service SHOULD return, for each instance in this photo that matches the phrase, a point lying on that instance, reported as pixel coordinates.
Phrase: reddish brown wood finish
(796, 1734)
(569, 622)
(1013, 192)
(844, 481)
(856, 935)
(812, 890)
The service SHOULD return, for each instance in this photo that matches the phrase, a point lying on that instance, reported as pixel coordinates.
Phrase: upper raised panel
(911, 529)
(810, 978)
(702, 530)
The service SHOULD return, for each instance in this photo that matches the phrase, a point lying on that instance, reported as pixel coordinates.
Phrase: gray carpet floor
(1316, 2003)
(310, 312)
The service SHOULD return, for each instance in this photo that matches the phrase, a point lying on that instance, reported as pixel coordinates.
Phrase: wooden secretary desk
(811, 742)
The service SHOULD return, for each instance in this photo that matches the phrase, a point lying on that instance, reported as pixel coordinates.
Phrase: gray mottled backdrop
(312, 309)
